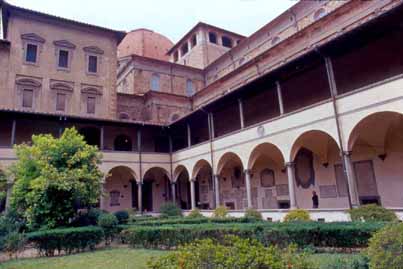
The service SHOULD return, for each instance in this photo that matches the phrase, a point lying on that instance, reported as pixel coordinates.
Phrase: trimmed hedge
(69, 240)
(338, 235)
(202, 220)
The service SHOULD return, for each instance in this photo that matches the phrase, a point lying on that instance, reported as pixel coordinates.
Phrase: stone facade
(262, 124)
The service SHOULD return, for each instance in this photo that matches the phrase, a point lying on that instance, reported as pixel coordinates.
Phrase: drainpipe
(333, 93)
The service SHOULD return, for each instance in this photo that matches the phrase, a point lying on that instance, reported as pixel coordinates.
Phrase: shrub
(195, 214)
(13, 242)
(253, 214)
(232, 253)
(169, 210)
(220, 212)
(108, 222)
(297, 215)
(386, 248)
(122, 216)
(87, 218)
(69, 240)
(339, 235)
(372, 213)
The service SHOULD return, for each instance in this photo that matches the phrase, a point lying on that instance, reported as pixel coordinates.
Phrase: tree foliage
(55, 177)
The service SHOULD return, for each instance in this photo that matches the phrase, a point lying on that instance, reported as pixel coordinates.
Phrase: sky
(172, 18)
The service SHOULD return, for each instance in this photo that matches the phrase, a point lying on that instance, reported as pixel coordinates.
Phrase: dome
(145, 43)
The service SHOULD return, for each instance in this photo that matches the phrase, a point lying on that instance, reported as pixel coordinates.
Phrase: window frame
(225, 39)
(92, 56)
(91, 97)
(59, 51)
(210, 35)
(32, 91)
(184, 49)
(190, 91)
(155, 80)
(93, 51)
(64, 102)
(193, 41)
(27, 45)
(32, 39)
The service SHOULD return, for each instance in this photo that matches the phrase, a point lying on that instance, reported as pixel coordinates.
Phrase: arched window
(155, 82)
(123, 143)
(320, 13)
(189, 88)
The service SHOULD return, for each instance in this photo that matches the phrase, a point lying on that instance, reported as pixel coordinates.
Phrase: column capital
(290, 164)
(173, 182)
(248, 171)
(192, 180)
(347, 153)
(139, 183)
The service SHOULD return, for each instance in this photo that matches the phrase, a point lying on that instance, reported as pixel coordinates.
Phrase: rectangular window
(212, 38)
(31, 53)
(194, 41)
(92, 64)
(91, 105)
(27, 98)
(60, 102)
(63, 59)
(226, 42)
(184, 49)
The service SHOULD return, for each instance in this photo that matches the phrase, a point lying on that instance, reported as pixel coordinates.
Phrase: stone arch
(156, 189)
(376, 147)
(182, 179)
(203, 174)
(385, 121)
(225, 158)
(199, 165)
(314, 140)
(267, 149)
(119, 185)
(231, 177)
(163, 170)
(318, 167)
(178, 171)
(268, 177)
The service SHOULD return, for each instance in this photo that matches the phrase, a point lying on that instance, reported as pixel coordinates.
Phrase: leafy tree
(54, 178)
(3, 189)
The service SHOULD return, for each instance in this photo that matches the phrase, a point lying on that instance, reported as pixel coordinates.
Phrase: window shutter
(27, 98)
(91, 105)
(60, 102)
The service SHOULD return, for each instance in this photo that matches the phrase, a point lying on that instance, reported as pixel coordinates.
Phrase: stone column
(248, 188)
(140, 196)
(217, 190)
(173, 190)
(351, 180)
(10, 185)
(193, 193)
(102, 196)
(291, 184)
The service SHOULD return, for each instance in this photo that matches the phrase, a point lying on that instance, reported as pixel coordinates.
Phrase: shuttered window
(60, 102)
(91, 105)
(27, 98)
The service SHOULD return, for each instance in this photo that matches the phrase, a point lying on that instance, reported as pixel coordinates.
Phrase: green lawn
(125, 258)
(121, 258)
(336, 261)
